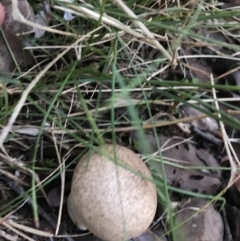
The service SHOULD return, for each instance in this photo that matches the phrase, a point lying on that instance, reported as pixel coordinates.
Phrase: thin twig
(224, 135)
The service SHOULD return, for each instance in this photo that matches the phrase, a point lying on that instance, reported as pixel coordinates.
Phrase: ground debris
(232, 216)
(185, 154)
(207, 225)
(7, 64)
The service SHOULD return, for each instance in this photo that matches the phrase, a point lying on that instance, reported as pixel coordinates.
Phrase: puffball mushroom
(109, 200)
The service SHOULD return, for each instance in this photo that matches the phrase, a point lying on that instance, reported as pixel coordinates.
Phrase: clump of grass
(104, 74)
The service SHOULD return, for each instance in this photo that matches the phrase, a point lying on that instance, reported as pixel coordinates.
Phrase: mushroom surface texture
(109, 200)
